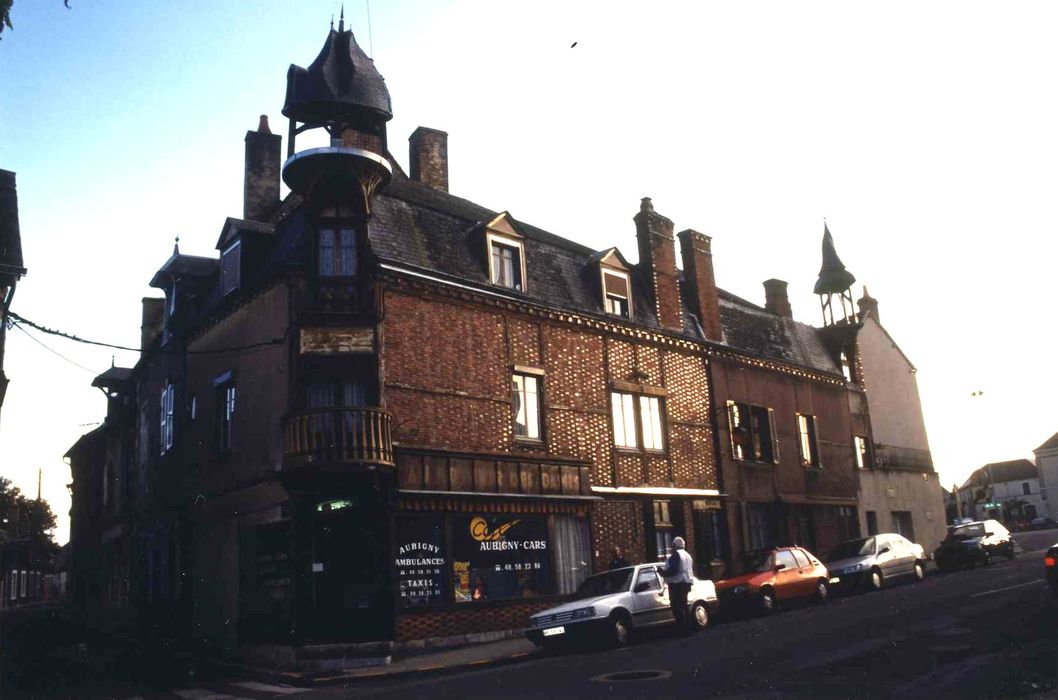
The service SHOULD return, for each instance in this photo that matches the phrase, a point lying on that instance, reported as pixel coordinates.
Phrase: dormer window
(616, 296)
(506, 262)
(337, 252)
(229, 268)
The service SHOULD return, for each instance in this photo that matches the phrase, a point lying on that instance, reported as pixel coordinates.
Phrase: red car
(783, 574)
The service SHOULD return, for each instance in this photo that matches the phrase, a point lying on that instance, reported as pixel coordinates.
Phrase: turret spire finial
(176, 246)
(332, 22)
(341, 19)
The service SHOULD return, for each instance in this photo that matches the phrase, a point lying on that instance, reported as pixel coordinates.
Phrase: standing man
(678, 575)
(618, 561)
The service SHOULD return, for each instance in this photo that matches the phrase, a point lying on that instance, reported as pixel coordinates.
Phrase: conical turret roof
(342, 81)
(833, 277)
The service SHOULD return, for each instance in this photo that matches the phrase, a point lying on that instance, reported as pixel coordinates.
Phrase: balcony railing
(352, 434)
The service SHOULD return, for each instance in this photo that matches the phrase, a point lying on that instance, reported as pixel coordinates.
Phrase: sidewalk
(498, 653)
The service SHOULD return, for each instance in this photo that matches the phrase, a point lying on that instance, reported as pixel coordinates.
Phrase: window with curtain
(526, 404)
(337, 252)
(572, 543)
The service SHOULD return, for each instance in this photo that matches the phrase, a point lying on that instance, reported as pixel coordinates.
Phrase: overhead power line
(53, 352)
(19, 320)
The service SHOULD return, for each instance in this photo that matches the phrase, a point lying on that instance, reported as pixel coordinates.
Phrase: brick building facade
(389, 414)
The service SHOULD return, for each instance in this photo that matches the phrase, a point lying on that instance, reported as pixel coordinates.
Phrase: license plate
(835, 580)
(554, 630)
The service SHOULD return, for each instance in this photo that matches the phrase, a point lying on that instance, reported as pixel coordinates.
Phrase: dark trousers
(678, 601)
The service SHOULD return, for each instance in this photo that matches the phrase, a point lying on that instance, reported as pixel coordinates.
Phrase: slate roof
(341, 80)
(184, 266)
(114, 375)
(417, 228)
(999, 472)
(1051, 443)
(10, 238)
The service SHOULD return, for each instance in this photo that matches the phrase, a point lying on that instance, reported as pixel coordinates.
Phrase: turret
(342, 93)
(834, 283)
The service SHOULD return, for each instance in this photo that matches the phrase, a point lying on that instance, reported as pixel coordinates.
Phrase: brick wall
(471, 620)
(617, 524)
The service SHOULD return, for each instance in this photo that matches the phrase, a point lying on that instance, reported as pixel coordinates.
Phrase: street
(986, 632)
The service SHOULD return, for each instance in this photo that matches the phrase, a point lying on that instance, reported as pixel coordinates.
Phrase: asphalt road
(983, 633)
(986, 632)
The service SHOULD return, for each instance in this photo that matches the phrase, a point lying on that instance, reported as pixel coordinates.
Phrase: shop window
(506, 262)
(807, 443)
(572, 543)
(753, 436)
(337, 252)
(525, 397)
(759, 530)
(500, 557)
(229, 268)
(617, 298)
(635, 418)
(166, 417)
(862, 461)
(420, 564)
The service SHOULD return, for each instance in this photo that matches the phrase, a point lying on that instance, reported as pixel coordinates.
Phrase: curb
(412, 672)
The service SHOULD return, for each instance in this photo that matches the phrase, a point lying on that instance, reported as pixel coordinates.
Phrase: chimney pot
(776, 298)
(262, 126)
(428, 153)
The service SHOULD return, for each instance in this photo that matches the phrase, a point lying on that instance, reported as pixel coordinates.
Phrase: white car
(608, 607)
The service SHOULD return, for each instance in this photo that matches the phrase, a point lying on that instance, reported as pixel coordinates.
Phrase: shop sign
(420, 560)
(500, 557)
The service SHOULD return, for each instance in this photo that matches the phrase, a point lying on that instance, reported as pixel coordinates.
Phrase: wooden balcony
(339, 435)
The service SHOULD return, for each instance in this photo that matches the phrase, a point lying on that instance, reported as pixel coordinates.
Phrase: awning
(501, 494)
(800, 499)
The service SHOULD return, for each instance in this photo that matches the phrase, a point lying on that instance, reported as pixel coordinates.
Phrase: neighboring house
(1047, 464)
(1007, 491)
(899, 487)
(11, 265)
(387, 414)
(25, 572)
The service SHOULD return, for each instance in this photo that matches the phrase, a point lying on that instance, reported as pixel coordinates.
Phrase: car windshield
(966, 532)
(761, 562)
(617, 581)
(853, 548)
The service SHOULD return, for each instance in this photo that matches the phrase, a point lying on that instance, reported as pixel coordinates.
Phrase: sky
(923, 132)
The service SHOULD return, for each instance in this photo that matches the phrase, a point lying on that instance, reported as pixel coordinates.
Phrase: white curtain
(572, 543)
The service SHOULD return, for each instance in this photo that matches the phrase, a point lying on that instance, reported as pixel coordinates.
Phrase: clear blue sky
(923, 132)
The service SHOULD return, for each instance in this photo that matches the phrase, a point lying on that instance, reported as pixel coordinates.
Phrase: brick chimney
(776, 299)
(151, 324)
(657, 264)
(697, 253)
(261, 179)
(428, 152)
(868, 306)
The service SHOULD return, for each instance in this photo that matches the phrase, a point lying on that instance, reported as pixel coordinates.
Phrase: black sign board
(500, 557)
(419, 562)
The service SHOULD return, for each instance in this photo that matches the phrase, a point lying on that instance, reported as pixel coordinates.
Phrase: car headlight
(581, 613)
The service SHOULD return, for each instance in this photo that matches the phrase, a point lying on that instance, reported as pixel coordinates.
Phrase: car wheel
(1011, 554)
(822, 592)
(874, 580)
(920, 571)
(767, 601)
(986, 557)
(620, 630)
(699, 616)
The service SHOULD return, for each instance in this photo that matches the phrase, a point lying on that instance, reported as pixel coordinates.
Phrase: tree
(5, 13)
(22, 517)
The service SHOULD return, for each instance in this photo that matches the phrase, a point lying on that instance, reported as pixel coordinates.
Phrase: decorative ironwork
(350, 434)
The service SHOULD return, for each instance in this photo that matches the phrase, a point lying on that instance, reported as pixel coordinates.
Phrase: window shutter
(731, 425)
(774, 436)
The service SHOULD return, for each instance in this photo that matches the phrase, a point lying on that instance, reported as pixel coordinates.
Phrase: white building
(1047, 464)
(1006, 491)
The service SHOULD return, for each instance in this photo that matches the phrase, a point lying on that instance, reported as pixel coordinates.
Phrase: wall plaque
(331, 341)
